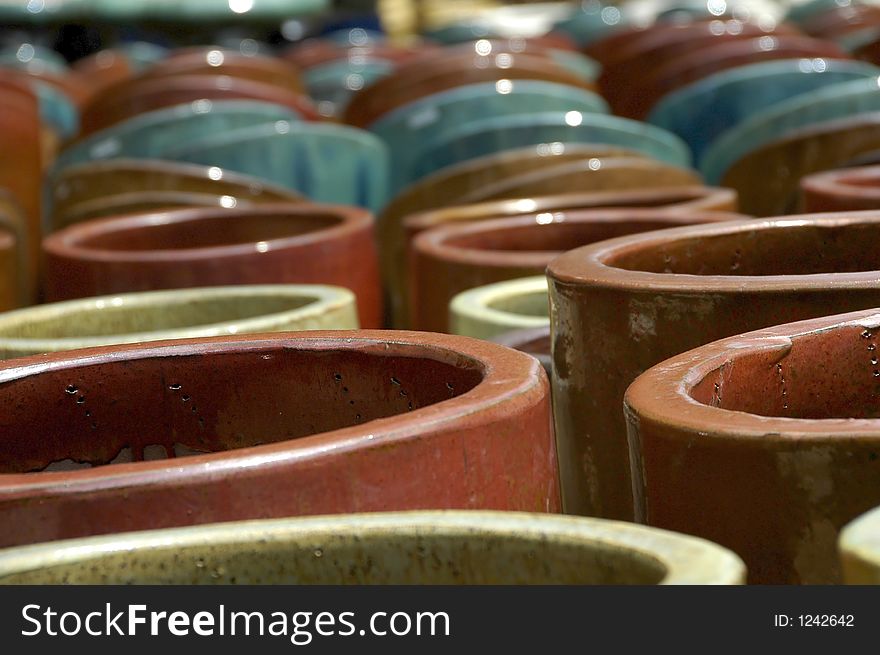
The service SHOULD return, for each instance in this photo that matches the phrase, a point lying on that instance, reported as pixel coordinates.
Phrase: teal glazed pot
(148, 135)
(488, 135)
(336, 81)
(400, 548)
(194, 431)
(327, 163)
(409, 129)
(591, 21)
(828, 103)
(701, 111)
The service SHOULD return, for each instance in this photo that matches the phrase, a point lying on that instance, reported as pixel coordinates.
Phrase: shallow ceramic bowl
(400, 548)
(265, 426)
(177, 314)
(494, 309)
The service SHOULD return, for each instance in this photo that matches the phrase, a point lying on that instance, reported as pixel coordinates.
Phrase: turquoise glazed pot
(701, 111)
(149, 135)
(408, 129)
(336, 81)
(832, 102)
(591, 22)
(489, 135)
(56, 110)
(327, 163)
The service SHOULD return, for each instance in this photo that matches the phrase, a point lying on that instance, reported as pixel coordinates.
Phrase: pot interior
(219, 230)
(525, 304)
(441, 557)
(794, 249)
(186, 311)
(157, 406)
(834, 374)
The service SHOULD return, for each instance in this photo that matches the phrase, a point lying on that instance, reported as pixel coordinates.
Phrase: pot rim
(840, 183)
(475, 304)
(509, 378)
(67, 243)
(860, 539)
(662, 396)
(687, 559)
(586, 265)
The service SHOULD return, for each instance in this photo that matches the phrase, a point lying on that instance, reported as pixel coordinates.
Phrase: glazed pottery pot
(494, 309)
(836, 101)
(85, 184)
(102, 69)
(765, 442)
(767, 178)
(15, 286)
(132, 97)
(332, 85)
(841, 190)
(859, 546)
(488, 135)
(532, 341)
(327, 163)
(419, 78)
(267, 426)
(176, 314)
(262, 244)
(401, 548)
(623, 306)
(57, 112)
(701, 111)
(450, 259)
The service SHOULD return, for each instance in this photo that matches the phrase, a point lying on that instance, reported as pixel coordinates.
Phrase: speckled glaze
(262, 244)
(532, 341)
(767, 178)
(176, 314)
(270, 426)
(488, 311)
(449, 259)
(765, 442)
(439, 547)
(625, 305)
(842, 190)
(76, 189)
(859, 547)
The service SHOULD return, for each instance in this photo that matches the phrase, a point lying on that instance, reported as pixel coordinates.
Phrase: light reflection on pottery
(859, 546)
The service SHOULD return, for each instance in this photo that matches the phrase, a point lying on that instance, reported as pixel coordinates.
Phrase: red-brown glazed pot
(841, 190)
(136, 96)
(270, 426)
(532, 341)
(453, 258)
(102, 69)
(261, 244)
(767, 443)
(620, 307)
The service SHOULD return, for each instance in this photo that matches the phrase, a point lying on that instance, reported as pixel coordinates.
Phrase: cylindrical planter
(622, 306)
(487, 311)
(859, 546)
(270, 426)
(842, 190)
(449, 259)
(765, 442)
(402, 548)
(532, 341)
(269, 243)
(176, 314)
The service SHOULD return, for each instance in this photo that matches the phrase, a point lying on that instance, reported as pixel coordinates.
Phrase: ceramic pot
(860, 550)
(15, 287)
(843, 190)
(766, 442)
(102, 69)
(264, 244)
(362, 414)
(494, 309)
(177, 314)
(402, 548)
(623, 306)
(450, 259)
(532, 341)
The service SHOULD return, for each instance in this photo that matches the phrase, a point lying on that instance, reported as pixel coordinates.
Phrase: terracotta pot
(15, 290)
(842, 190)
(450, 259)
(136, 96)
(361, 416)
(839, 21)
(79, 185)
(623, 306)
(102, 69)
(860, 550)
(264, 244)
(418, 79)
(402, 548)
(532, 341)
(176, 314)
(494, 309)
(316, 52)
(765, 442)
(767, 178)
